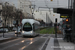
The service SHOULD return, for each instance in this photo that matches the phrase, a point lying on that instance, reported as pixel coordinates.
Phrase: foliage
(47, 31)
(9, 11)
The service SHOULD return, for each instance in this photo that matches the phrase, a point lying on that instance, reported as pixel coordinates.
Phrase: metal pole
(32, 14)
(71, 4)
(17, 28)
(68, 3)
(55, 28)
(58, 3)
(46, 18)
(3, 29)
(73, 23)
(33, 11)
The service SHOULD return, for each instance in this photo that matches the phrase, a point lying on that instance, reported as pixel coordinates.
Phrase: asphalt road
(26, 43)
(12, 34)
(9, 34)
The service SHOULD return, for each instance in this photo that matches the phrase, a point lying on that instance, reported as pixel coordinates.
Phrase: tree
(7, 11)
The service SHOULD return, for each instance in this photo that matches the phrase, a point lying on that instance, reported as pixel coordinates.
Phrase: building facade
(0, 14)
(47, 16)
(25, 6)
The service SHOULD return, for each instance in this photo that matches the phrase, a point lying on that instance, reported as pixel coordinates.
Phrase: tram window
(27, 27)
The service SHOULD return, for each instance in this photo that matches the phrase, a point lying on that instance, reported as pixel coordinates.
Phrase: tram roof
(31, 21)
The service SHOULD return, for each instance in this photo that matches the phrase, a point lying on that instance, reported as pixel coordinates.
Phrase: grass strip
(47, 31)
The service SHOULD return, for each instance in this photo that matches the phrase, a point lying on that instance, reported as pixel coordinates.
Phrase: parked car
(18, 31)
(3, 30)
(14, 28)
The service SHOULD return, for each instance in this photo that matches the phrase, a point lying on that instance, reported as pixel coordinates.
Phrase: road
(9, 34)
(23, 44)
(12, 34)
(26, 43)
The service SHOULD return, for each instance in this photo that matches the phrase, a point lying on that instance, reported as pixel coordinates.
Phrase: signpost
(3, 29)
(55, 27)
(17, 27)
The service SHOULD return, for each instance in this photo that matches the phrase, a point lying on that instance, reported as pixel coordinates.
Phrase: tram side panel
(36, 28)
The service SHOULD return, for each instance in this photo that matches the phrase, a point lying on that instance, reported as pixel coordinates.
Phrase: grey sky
(43, 3)
(54, 3)
(11, 2)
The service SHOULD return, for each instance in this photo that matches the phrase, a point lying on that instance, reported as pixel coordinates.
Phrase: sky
(11, 2)
(43, 3)
(52, 4)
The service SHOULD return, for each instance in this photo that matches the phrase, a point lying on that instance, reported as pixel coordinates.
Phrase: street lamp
(32, 9)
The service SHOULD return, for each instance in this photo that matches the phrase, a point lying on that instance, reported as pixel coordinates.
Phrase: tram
(30, 27)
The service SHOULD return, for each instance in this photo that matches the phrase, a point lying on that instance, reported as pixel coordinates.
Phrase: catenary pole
(73, 22)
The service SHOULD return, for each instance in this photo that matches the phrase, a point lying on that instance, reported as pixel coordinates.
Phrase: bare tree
(9, 13)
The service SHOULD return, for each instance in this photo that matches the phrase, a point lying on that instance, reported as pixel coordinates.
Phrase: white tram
(29, 27)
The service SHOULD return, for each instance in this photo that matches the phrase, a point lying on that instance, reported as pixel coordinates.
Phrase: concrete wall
(52, 16)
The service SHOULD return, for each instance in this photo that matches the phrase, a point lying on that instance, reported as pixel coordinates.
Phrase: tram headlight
(22, 31)
(31, 31)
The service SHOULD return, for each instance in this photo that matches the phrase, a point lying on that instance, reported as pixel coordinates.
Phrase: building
(70, 11)
(67, 10)
(25, 6)
(0, 14)
(47, 16)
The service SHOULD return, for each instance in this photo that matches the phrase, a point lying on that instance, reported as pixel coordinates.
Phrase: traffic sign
(64, 16)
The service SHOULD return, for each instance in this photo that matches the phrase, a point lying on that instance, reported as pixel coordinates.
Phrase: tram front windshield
(27, 27)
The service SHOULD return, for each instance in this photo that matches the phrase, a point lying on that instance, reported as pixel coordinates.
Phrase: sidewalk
(8, 32)
(59, 44)
(5, 38)
(2, 39)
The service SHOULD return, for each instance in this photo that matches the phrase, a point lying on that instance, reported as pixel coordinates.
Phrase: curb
(4, 40)
(8, 32)
(45, 43)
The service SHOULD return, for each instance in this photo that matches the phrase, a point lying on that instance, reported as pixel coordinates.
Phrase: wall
(52, 16)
